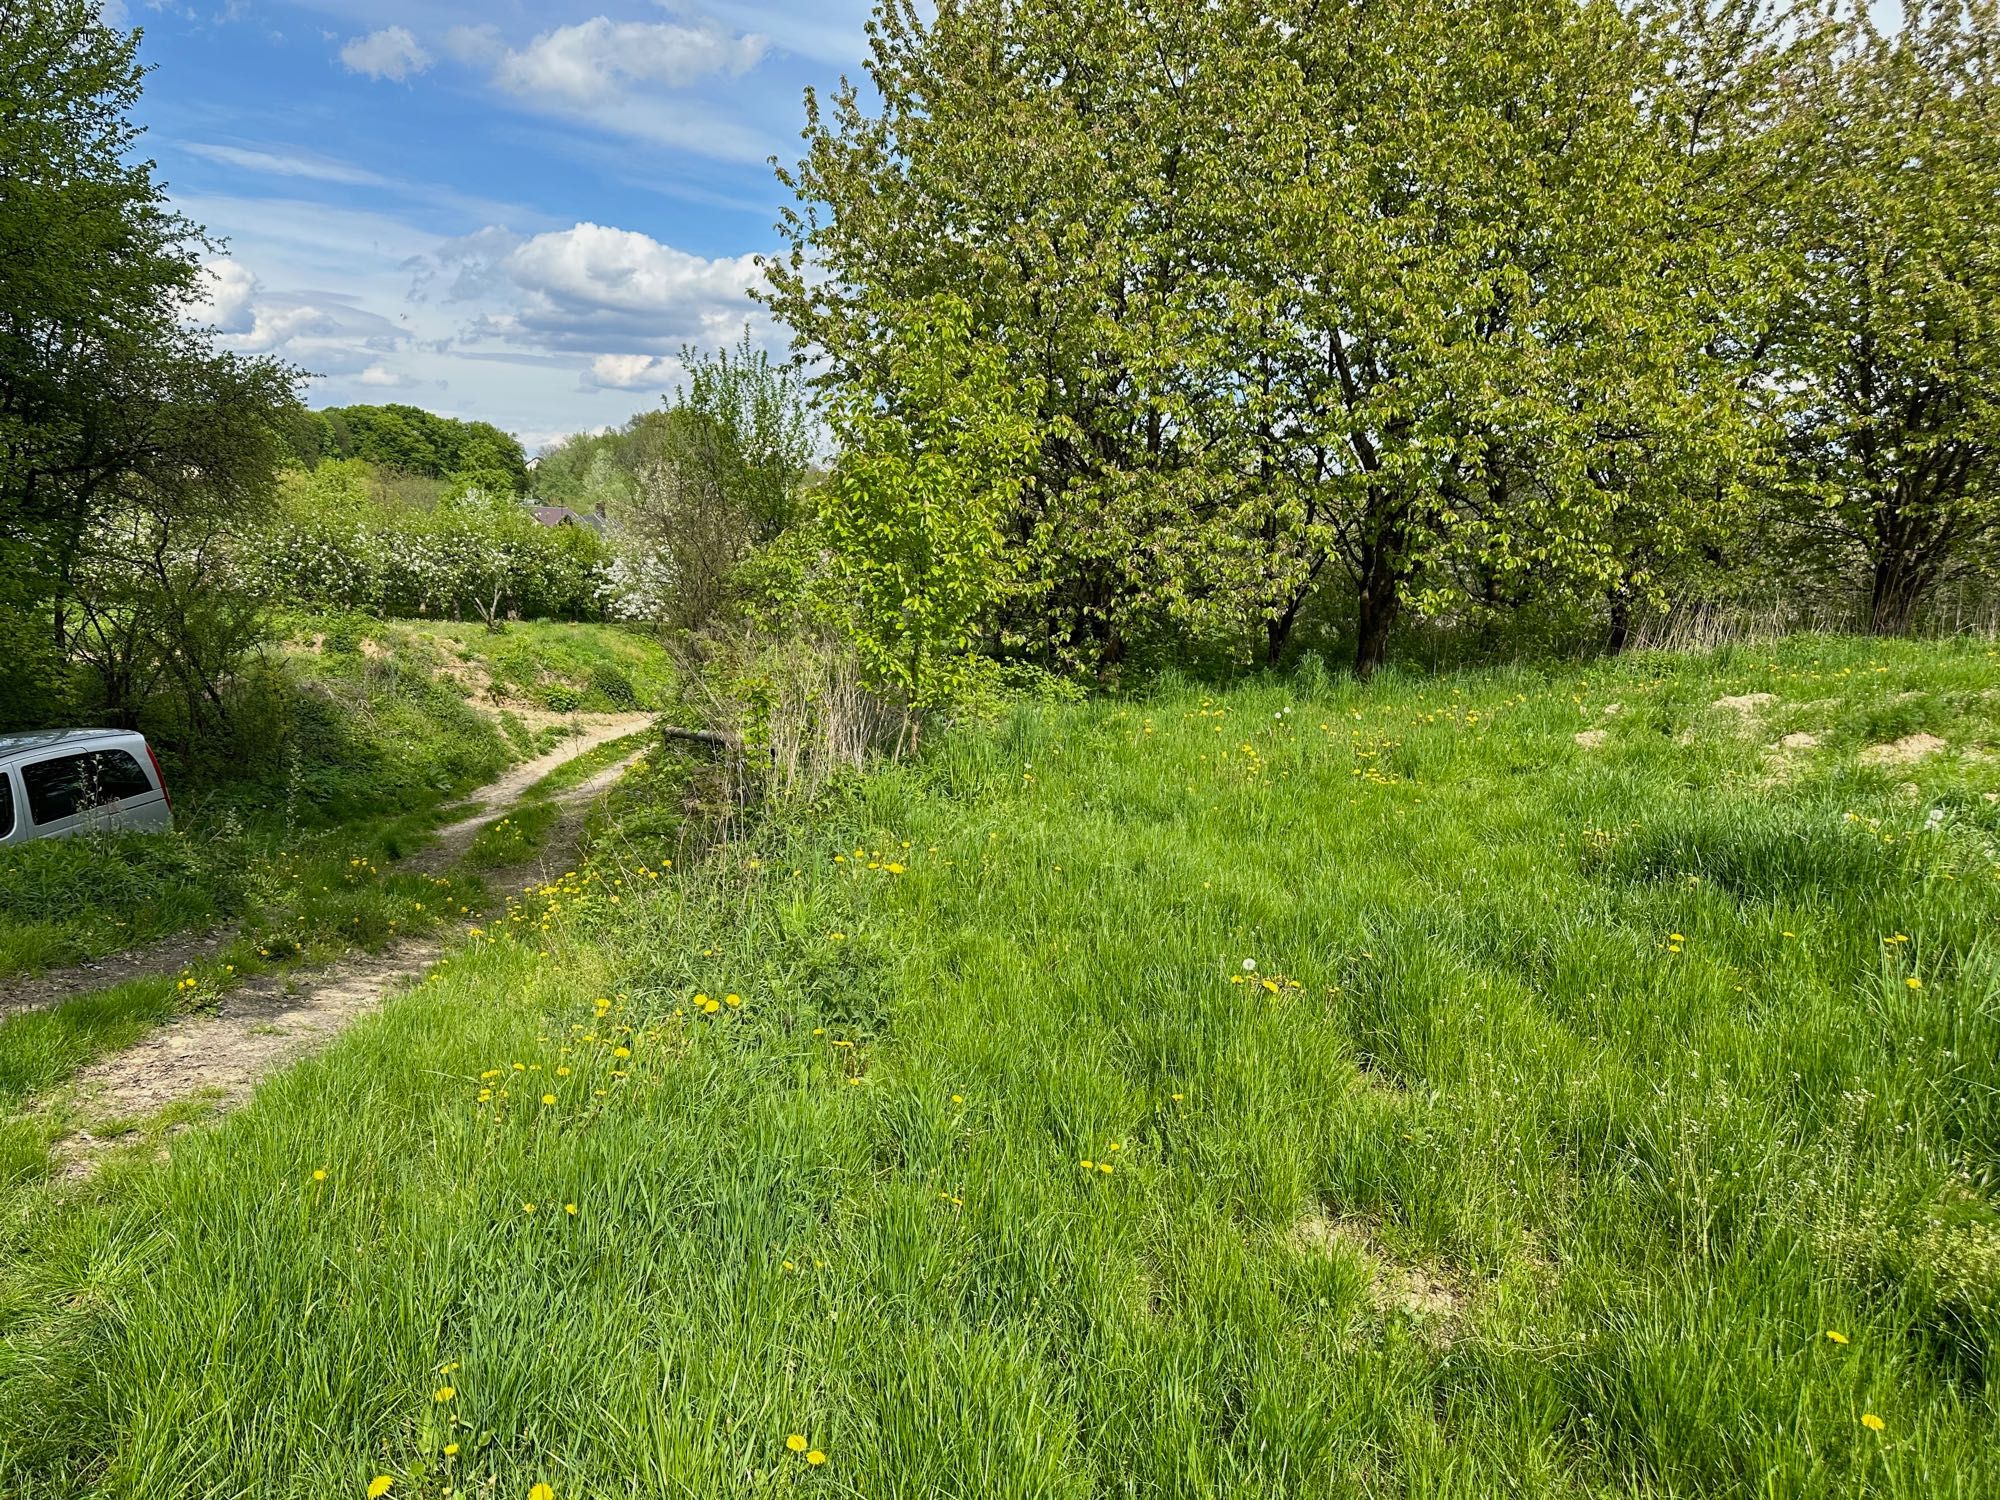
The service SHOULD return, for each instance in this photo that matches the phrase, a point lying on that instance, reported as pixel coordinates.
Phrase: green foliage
(344, 539)
(1888, 341)
(933, 456)
(126, 440)
(412, 440)
(1279, 329)
(692, 490)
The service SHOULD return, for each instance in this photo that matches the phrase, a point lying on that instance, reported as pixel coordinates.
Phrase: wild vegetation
(1450, 309)
(1031, 1027)
(1306, 1089)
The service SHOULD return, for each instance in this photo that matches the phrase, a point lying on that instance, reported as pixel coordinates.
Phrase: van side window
(6, 804)
(70, 784)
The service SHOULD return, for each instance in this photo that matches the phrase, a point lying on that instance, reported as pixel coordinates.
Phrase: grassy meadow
(1569, 1082)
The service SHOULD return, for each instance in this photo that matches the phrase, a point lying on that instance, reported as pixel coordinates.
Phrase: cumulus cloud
(581, 63)
(598, 290)
(391, 53)
(225, 303)
(324, 332)
(630, 372)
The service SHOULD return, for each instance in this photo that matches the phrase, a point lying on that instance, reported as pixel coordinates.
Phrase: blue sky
(512, 212)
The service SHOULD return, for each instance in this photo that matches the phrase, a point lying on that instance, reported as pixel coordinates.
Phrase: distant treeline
(410, 439)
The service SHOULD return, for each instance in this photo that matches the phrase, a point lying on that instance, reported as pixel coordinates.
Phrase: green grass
(542, 664)
(1575, 1096)
(355, 753)
(514, 838)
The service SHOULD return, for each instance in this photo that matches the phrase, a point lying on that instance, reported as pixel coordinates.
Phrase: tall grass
(1485, 1114)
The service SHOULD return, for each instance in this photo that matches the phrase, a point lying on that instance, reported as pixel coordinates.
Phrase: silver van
(69, 781)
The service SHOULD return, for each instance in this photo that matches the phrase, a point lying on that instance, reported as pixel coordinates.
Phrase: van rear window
(6, 804)
(69, 784)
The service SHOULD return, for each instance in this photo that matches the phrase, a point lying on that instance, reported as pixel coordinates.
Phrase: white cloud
(324, 332)
(584, 62)
(631, 372)
(610, 74)
(289, 164)
(227, 300)
(379, 376)
(391, 53)
(598, 290)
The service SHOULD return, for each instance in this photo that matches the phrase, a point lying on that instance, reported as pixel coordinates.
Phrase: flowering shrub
(335, 544)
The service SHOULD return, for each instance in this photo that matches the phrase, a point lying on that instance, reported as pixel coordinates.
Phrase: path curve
(172, 954)
(275, 1020)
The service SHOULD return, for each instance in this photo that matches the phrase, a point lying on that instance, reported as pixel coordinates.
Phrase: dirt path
(272, 1022)
(172, 954)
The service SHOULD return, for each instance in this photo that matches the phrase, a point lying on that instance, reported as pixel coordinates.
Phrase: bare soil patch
(1747, 705)
(1907, 751)
(168, 955)
(1423, 1292)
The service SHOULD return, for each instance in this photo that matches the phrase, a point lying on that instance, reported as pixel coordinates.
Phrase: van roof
(56, 739)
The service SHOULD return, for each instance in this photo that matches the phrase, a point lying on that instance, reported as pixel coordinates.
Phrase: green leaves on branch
(933, 455)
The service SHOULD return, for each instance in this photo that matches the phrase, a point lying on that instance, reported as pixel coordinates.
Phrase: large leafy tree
(109, 401)
(1889, 342)
(1315, 290)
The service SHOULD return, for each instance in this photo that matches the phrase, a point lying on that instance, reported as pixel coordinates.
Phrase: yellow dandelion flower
(958, 1098)
(732, 999)
(710, 1007)
(621, 1051)
(541, 1492)
(796, 1442)
(1104, 1166)
(444, 1393)
(1914, 983)
(451, 1450)
(548, 1098)
(1872, 1422)
(1835, 1336)
(379, 1486)
(527, 1208)
(1086, 1164)
(319, 1174)
(815, 1458)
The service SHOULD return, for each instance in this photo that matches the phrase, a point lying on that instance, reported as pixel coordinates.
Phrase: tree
(1307, 291)
(412, 440)
(1889, 343)
(714, 475)
(110, 404)
(931, 460)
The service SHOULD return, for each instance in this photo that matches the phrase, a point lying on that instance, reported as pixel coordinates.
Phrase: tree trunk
(1381, 601)
(1621, 624)
(1892, 604)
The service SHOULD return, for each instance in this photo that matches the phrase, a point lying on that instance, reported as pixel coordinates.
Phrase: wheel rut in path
(170, 955)
(270, 1022)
